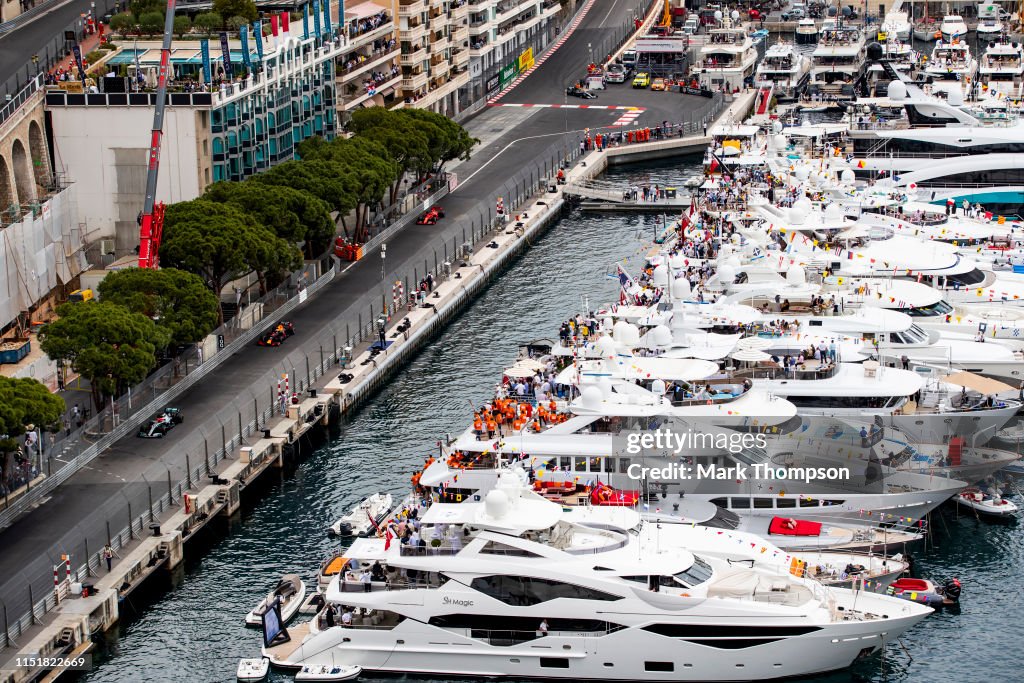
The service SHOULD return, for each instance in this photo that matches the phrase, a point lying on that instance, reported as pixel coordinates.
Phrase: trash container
(88, 589)
(670, 192)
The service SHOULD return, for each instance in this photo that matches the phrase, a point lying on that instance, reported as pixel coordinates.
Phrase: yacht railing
(784, 373)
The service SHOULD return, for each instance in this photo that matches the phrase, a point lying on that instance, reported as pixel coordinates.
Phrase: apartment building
(369, 73)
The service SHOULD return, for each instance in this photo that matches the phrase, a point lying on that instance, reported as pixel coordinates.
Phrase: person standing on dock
(108, 555)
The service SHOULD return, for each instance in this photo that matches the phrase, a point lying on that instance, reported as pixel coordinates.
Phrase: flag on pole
(257, 33)
(226, 52)
(204, 49)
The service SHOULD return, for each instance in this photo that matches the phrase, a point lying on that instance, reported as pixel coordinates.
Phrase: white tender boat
(985, 503)
(849, 570)
(953, 26)
(328, 672)
(290, 590)
(255, 669)
(364, 517)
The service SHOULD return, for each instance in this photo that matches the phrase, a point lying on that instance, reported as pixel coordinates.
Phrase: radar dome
(796, 275)
(677, 261)
(496, 504)
(831, 11)
(897, 90)
(606, 346)
(630, 335)
(727, 275)
(735, 15)
(660, 336)
(833, 214)
(848, 176)
(955, 97)
(778, 141)
(875, 52)
(660, 276)
(591, 398)
(718, 15)
(658, 387)
(681, 288)
(802, 173)
(618, 330)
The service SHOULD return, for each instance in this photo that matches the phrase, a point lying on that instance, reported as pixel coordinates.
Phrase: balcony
(460, 57)
(412, 8)
(346, 74)
(460, 35)
(353, 101)
(415, 33)
(414, 82)
(440, 69)
(459, 13)
(366, 38)
(551, 9)
(503, 12)
(479, 49)
(414, 58)
(439, 43)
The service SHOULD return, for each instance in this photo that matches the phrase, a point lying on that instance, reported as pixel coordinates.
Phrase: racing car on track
(276, 335)
(158, 427)
(431, 217)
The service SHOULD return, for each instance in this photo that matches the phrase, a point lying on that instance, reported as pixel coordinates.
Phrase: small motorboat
(364, 517)
(326, 672)
(314, 603)
(255, 669)
(985, 503)
(290, 590)
(926, 592)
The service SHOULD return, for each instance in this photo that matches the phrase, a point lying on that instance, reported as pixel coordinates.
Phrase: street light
(591, 51)
(383, 255)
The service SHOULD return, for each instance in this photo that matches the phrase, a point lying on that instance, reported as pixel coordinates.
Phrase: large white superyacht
(510, 588)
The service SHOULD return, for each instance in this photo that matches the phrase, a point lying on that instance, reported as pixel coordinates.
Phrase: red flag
(284, 22)
(387, 539)
(273, 24)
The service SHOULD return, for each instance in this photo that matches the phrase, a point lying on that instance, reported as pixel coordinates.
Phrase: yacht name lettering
(457, 602)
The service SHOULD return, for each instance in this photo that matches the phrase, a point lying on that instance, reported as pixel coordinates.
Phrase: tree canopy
(293, 215)
(177, 301)
(25, 401)
(236, 8)
(104, 342)
(220, 242)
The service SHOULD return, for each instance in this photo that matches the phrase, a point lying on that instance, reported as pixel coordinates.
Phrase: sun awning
(983, 385)
(362, 10)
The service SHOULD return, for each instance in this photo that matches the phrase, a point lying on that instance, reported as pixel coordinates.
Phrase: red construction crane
(151, 223)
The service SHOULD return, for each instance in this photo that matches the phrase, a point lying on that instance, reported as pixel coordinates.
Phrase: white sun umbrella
(530, 364)
(750, 355)
(520, 371)
(753, 344)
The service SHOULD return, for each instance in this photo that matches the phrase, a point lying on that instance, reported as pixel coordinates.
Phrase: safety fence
(160, 487)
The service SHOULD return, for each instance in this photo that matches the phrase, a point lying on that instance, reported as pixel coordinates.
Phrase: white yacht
(951, 61)
(1002, 69)
(806, 31)
(895, 25)
(980, 161)
(513, 589)
(989, 25)
(784, 70)
(836, 62)
(953, 26)
(727, 59)
(900, 54)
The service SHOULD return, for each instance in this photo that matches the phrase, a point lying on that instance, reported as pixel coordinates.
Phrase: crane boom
(151, 222)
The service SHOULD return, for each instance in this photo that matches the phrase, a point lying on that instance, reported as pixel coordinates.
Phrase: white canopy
(750, 355)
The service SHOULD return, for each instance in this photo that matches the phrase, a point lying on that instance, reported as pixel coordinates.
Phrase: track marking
(544, 57)
(614, 107)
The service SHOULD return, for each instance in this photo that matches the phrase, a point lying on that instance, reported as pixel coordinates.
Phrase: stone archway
(24, 180)
(7, 197)
(40, 155)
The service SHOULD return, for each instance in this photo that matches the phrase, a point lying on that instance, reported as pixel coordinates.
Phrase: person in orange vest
(598, 140)
(492, 427)
(478, 425)
(629, 136)
(561, 177)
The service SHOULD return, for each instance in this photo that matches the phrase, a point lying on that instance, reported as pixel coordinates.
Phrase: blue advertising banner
(226, 52)
(327, 17)
(244, 35)
(305, 21)
(204, 48)
(77, 51)
(257, 33)
(316, 17)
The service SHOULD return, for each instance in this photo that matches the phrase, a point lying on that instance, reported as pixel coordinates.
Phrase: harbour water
(195, 632)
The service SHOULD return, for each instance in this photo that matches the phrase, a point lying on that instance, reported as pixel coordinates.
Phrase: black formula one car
(158, 427)
(431, 217)
(582, 93)
(276, 335)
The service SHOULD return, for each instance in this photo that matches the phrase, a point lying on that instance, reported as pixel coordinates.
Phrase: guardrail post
(88, 567)
(170, 490)
(322, 368)
(224, 441)
(108, 532)
(131, 522)
(206, 454)
(188, 475)
(150, 489)
(240, 435)
(307, 369)
(7, 629)
(32, 604)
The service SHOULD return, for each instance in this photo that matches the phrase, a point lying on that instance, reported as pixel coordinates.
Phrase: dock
(156, 541)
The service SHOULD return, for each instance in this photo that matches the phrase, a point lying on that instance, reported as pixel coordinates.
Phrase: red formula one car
(276, 335)
(431, 217)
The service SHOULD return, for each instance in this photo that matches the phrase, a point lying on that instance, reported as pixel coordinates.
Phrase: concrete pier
(159, 544)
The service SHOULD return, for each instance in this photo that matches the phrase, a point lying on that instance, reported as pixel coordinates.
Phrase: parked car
(431, 216)
(691, 26)
(794, 13)
(158, 427)
(582, 93)
(616, 73)
(641, 80)
(658, 84)
(629, 58)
